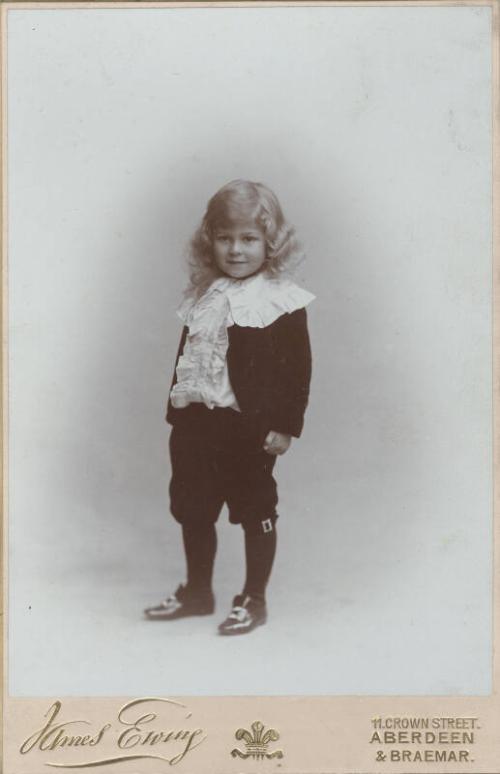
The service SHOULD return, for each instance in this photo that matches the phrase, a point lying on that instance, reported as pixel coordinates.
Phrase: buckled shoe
(246, 614)
(181, 604)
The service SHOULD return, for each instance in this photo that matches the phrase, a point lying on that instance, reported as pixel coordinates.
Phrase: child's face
(239, 248)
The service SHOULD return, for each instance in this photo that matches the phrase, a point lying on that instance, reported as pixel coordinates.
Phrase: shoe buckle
(171, 603)
(238, 613)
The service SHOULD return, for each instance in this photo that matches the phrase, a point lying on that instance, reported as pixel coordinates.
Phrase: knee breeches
(215, 463)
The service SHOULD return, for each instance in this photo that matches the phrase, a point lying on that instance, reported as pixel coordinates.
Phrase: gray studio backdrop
(372, 124)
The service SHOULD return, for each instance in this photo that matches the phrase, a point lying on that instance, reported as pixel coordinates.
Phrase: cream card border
(317, 734)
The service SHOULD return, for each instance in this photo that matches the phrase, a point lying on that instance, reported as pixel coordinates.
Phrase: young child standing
(240, 389)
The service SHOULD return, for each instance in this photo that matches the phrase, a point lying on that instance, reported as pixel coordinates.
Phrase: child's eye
(250, 239)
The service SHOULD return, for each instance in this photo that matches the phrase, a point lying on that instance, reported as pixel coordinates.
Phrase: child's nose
(235, 247)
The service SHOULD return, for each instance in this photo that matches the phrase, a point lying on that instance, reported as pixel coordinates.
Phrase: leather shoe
(245, 616)
(181, 604)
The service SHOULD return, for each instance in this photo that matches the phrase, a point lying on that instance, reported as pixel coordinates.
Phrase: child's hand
(277, 443)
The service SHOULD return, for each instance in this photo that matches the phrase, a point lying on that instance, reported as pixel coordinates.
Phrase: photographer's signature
(135, 732)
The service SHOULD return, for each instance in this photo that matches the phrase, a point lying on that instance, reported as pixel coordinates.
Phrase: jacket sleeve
(292, 355)
(170, 408)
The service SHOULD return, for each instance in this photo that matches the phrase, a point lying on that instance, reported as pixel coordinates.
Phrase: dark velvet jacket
(270, 371)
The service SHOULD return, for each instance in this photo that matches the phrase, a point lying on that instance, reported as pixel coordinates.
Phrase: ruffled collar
(254, 302)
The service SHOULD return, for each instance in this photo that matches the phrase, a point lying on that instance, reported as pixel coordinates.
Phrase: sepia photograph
(248, 351)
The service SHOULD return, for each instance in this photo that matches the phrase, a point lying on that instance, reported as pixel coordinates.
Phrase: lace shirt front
(257, 301)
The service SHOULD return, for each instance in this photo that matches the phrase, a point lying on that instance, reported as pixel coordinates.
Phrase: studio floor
(348, 614)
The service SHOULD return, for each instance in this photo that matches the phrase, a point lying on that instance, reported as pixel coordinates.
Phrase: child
(239, 393)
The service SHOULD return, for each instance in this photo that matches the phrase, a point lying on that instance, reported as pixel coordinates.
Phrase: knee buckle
(263, 527)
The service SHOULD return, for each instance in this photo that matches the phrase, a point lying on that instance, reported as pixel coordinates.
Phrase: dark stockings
(200, 545)
(260, 548)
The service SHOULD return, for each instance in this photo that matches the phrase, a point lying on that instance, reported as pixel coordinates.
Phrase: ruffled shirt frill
(256, 302)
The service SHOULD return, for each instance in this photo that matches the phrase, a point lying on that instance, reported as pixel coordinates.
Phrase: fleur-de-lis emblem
(256, 745)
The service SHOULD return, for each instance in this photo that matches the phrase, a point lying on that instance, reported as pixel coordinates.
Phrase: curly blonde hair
(237, 199)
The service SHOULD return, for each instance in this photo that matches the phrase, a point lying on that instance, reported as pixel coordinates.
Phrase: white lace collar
(254, 302)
